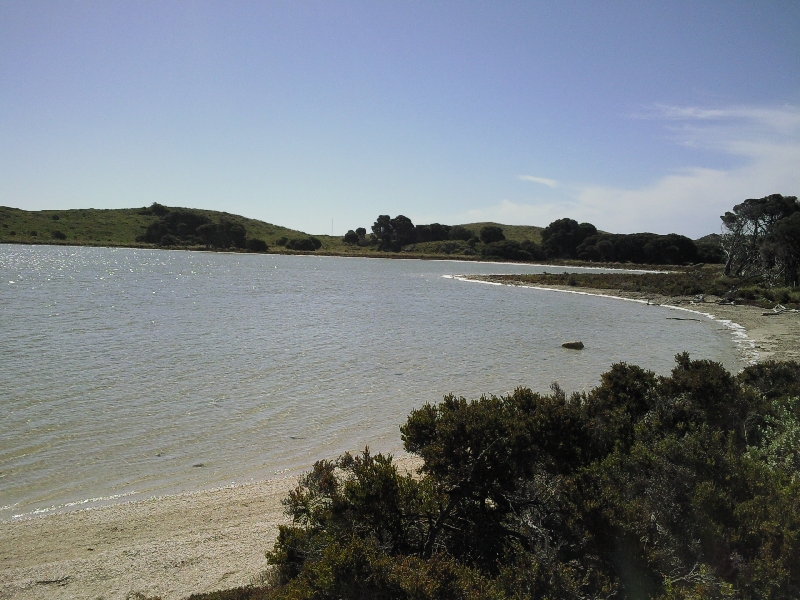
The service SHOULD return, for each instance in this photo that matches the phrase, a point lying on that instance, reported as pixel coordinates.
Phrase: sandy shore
(168, 547)
(173, 546)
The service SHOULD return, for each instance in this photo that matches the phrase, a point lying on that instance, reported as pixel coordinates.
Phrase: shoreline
(769, 337)
(173, 546)
(166, 546)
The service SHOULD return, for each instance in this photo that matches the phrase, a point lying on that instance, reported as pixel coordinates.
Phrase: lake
(130, 373)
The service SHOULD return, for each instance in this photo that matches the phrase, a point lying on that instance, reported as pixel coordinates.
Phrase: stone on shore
(573, 345)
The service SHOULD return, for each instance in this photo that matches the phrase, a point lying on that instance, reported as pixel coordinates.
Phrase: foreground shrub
(645, 487)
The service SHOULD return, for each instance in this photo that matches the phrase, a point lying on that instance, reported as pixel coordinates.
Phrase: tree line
(685, 486)
(561, 239)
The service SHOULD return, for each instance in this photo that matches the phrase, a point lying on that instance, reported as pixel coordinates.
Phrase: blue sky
(635, 116)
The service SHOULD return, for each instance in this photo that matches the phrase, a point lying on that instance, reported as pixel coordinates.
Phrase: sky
(320, 116)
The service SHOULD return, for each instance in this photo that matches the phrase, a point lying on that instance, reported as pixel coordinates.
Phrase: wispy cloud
(690, 200)
(548, 182)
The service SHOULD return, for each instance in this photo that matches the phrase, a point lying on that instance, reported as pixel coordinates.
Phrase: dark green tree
(561, 238)
(746, 231)
(490, 234)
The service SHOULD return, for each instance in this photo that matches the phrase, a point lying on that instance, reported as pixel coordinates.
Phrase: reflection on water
(124, 370)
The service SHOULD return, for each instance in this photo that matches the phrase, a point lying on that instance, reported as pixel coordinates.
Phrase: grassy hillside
(108, 227)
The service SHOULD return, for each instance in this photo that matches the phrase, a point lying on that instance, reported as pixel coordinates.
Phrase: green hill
(110, 227)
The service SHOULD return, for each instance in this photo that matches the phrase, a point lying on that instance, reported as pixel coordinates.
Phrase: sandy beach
(173, 546)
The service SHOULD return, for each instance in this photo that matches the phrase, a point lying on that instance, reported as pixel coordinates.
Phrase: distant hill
(109, 227)
(122, 227)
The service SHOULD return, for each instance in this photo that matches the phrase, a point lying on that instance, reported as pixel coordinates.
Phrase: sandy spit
(173, 546)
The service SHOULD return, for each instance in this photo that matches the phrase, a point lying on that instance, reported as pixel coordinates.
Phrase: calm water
(121, 370)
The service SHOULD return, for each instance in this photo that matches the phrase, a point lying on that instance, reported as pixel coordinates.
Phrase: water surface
(122, 371)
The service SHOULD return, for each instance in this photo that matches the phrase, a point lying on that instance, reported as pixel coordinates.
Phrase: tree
(491, 233)
(512, 250)
(561, 238)
(651, 248)
(781, 249)
(351, 237)
(393, 234)
(460, 233)
(746, 231)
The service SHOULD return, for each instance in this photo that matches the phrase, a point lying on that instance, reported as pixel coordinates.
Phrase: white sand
(177, 545)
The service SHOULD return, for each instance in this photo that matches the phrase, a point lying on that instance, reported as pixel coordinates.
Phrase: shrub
(55, 217)
(58, 235)
(644, 487)
(507, 249)
(491, 234)
(460, 233)
(34, 233)
(303, 244)
(256, 245)
(158, 210)
(351, 237)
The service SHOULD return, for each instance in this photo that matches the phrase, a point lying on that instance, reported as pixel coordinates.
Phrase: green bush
(644, 487)
(304, 244)
(256, 245)
(491, 234)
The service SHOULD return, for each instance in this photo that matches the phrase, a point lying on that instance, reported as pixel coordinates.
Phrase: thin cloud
(548, 182)
(687, 201)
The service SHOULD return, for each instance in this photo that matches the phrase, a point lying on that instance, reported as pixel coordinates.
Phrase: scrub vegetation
(702, 280)
(686, 486)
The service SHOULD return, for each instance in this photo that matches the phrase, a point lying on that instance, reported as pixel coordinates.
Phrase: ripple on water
(122, 368)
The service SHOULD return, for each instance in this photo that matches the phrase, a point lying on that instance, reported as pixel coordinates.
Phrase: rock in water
(573, 345)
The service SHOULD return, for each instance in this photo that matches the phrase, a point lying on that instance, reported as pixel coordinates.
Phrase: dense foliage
(762, 239)
(685, 486)
(182, 227)
(561, 239)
